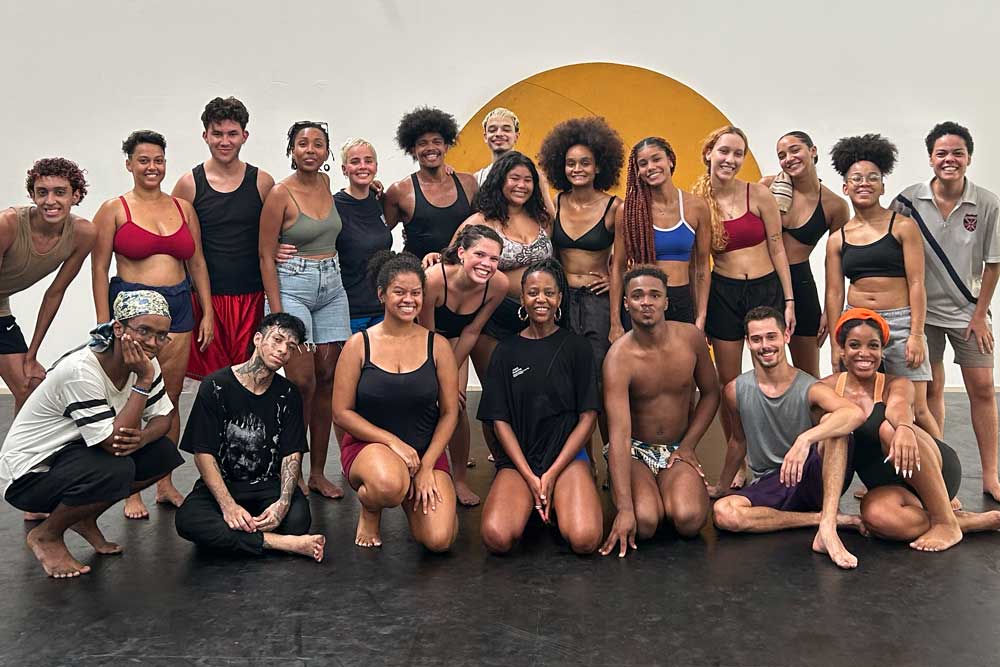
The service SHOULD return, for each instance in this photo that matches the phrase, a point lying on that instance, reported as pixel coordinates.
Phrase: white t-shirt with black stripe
(76, 401)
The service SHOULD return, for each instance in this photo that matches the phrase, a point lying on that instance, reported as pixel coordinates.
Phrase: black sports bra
(447, 322)
(812, 231)
(597, 238)
(880, 259)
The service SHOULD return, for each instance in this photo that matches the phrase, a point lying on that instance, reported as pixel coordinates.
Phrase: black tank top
(230, 231)
(880, 259)
(812, 231)
(431, 227)
(449, 323)
(597, 238)
(405, 404)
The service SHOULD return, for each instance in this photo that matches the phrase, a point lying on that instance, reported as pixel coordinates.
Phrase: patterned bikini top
(516, 255)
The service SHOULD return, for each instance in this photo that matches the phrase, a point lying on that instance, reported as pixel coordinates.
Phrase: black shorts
(807, 307)
(680, 307)
(730, 299)
(81, 475)
(178, 299)
(504, 322)
(874, 472)
(589, 315)
(11, 338)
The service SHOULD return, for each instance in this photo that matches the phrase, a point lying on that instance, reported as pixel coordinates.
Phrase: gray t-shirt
(771, 425)
(969, 238)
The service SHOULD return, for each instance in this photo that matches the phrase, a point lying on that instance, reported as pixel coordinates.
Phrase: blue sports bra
(674, 244)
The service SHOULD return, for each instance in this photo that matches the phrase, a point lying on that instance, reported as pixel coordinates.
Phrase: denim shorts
(894, 353)
(312, 290)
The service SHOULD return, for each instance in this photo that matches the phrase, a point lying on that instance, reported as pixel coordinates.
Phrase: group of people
(584, 313)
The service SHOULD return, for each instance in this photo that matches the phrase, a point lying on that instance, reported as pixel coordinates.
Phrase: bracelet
(787, 300)
(140, 390)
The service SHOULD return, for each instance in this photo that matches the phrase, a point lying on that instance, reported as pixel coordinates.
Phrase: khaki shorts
(967, 354)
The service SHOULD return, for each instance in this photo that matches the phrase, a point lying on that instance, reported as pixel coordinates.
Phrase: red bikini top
(136, 243)
(745, 231)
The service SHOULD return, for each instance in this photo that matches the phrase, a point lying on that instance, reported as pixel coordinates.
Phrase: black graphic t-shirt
(247, 434)
(540, 387)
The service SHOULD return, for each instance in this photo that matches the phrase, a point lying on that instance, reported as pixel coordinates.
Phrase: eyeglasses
(858, 179)
(145, 333)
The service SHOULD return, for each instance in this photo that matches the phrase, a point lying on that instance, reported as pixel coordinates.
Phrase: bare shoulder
(8, 216)
(499, 283)
(400, 188)
(83, 228)
(905, 226)
(696, 204)
(468, 181)
(759, 192)
(766, 181)
(831, 380)
(353, 346)
(185, 188)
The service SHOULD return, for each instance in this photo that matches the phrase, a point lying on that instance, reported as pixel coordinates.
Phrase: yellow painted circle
(636, 102)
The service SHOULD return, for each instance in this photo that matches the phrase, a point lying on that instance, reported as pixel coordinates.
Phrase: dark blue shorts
(178, 298)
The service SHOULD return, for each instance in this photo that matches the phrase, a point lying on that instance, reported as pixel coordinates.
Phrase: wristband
(140, 390)
(787, 300)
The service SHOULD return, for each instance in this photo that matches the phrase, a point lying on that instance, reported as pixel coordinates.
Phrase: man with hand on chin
(247, 436)
(799, 469)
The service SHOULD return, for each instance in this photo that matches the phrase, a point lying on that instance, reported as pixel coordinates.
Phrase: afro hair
(422, 120)
(592, 132)
(872, 148)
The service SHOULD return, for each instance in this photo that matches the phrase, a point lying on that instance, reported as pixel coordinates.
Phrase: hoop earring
(326, 167)
(523, 318)
(558, 313)
(294, 165)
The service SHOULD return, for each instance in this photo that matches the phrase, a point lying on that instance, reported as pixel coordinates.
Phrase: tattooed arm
(272, 517)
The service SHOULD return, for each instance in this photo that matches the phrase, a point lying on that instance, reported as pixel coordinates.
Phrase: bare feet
(368, 527)
(852, 522)
(992, 490)
(167, 494)
(976, 522)
(938, 538)
(55, 558)
(828, 542)
(465, 495)
(956, 504)
(325, 487)
(35, 516)
(739, 480)
(88, 530)
(860, 493)
(135, 508)
(310, 546)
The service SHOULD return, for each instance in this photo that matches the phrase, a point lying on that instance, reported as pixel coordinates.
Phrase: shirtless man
(647, 394)
(775, 427)
(227, 194)
(434, 200)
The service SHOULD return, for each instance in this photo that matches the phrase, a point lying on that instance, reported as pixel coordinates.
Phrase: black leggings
(874, 472)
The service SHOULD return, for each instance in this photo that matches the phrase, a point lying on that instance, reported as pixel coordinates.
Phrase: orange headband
(863, 314)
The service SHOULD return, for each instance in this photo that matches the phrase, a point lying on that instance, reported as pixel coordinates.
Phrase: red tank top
(745, 231)
(136, 243)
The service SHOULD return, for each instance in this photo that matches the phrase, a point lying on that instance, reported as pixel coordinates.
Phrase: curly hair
(220, 109)
(489, 200)
(948, 127)
(873, 148)
(638, 219)
(592, 132)
(468, 237)
(422, 120)
(61, 167)
(143, 137)
(703, 186)
(385, 265)
(551, 266)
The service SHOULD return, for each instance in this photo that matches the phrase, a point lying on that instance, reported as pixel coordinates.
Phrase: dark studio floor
(715, 600)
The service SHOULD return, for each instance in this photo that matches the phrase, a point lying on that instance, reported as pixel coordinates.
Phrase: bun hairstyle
(550, 266)
(385, 265)
(872, 148)
(468, 237)
(638, 218)
(804, 138)
(703, 186)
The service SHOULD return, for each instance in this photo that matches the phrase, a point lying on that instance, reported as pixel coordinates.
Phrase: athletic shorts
(806, 496)
(312, 290)
(680, 307)
(359, 324)
(504, 322)
(967, 354)
(874, 471)
(11, 338)
(807, 307)
(730, 299)
(81, 475)
(350, 447)
(178, 299)
(894, 353)
(237, 317)
(589, 315)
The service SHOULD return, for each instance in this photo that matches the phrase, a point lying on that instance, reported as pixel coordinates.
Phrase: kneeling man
(93, 433)
(650, 375)
(799, 469)
(247, 435)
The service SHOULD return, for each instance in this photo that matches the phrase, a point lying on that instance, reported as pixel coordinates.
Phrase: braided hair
(640, 248)
(703, 186)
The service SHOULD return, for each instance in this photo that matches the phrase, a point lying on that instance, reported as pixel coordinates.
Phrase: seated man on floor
(794, 431)
(247, 435)
(650, 375)
(93, 433)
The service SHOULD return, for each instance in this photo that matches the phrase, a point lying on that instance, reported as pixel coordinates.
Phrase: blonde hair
(703, 186)
(354, 142)
(502, 112)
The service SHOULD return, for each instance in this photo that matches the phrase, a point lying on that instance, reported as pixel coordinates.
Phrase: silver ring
(538, 507)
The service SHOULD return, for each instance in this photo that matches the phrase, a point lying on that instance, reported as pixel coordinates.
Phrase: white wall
(78, 77)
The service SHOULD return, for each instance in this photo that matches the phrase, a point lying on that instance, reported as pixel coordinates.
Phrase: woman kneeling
(541, 395)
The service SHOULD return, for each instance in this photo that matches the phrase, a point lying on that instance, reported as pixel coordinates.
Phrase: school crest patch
(970, 222)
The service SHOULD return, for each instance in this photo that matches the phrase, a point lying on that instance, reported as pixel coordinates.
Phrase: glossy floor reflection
(715, 600)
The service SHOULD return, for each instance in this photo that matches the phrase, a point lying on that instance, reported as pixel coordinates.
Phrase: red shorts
(236, 319)
(350, 448)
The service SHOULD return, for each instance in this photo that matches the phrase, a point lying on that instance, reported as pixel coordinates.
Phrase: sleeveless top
(597, 238)
(137, 243)
(880, 259)
(21, 266)
(431, 227)
(866, 435)
(230, 232)
(313, 236)
(447, 322)
(771, 425)
(674, 244)
(813, 229)
(516, 255)
(745, 231)
(405, 404)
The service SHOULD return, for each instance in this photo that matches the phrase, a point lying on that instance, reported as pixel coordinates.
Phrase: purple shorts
(806, 496)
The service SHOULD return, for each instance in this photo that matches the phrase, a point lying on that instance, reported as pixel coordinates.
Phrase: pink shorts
(351, 447)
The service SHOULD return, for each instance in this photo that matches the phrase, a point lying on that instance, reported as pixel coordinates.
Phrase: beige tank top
(21, 266)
